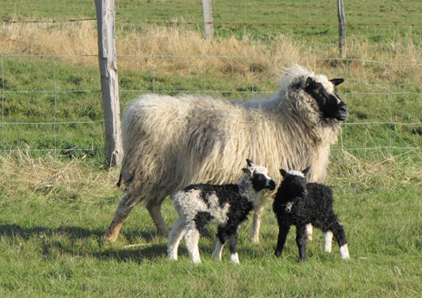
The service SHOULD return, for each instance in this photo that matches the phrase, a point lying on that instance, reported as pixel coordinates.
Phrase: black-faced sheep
(227, 205)
(300, 203)
(172, 142)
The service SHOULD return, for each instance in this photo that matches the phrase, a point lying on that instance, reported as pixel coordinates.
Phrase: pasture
(55, 206)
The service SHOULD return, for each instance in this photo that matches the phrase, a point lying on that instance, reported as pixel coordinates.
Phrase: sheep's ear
(309, 81)
(305, 171)
(247, 171)
(337, 81)
(283, 173)
(250, 162)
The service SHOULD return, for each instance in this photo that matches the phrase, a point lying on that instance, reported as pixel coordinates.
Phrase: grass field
(55, 206)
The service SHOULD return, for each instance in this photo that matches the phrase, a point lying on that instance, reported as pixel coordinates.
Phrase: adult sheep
(172, 142)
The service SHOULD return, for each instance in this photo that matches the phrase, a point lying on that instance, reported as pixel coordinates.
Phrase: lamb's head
(294, 182)
(258, 177)
(323, 91)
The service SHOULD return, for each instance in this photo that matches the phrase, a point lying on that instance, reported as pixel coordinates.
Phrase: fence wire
(52, 102)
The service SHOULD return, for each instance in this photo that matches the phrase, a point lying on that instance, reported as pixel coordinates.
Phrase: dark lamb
(300, 203)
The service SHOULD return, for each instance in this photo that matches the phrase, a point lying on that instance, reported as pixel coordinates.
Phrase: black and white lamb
(227, 205)
(300, 203)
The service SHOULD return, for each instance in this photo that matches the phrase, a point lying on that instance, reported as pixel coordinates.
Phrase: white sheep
(227, 205)
(171, 142)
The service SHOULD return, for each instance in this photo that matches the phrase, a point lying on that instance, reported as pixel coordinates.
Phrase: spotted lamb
(227, 205)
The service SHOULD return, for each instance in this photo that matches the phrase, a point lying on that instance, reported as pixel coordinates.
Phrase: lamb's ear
(309, 81)
(247, 171)
(283, 173)
(337, 81)
(305, 171)
(250, 162)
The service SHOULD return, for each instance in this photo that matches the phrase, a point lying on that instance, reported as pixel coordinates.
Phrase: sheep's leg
(257, 216)
(192, 239)
(340, 236)
(176, 234)
(301, 241)
(127, 202)
(154, 209)
(282, 236)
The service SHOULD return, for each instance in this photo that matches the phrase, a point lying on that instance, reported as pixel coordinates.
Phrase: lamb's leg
(176, 234)
(222, 238)
(127, 202)
(154, 209)
(340, 236)
(309, 232)
(301, 241)
(257, 216)
(218, 250)
(328, 238)
(282, 235)
(234, 257)
(192, 239)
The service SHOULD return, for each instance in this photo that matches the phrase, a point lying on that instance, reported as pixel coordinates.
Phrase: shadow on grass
(76, 237)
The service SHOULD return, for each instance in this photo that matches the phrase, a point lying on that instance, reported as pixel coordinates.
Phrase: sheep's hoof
(163, 231)
(255, 239)
(113, 232)
(110, 237)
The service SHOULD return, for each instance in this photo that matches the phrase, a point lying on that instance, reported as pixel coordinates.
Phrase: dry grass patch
(137, 49)
(51, 178)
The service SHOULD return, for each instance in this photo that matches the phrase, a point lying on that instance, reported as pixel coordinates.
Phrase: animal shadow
(75, 237)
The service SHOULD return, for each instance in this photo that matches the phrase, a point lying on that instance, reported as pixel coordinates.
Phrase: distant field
(57, 202)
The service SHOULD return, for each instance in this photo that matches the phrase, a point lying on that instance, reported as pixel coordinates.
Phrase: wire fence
(51, 102)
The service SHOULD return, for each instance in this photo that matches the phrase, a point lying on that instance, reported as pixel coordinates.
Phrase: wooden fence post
(109, 80)
(341, 27)
(207, 10)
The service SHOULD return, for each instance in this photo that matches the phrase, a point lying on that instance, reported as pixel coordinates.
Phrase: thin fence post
(109, 80)
(207, 10)
(341, 27)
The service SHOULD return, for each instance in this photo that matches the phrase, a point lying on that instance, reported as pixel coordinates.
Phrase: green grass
(52, 227)
(234, 11)
(56, 206)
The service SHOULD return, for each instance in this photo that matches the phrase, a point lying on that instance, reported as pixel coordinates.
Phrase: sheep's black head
(259, 176)
(294, 182)
(322, 90)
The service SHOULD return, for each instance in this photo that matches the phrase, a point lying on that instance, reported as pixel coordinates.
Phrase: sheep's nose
(344, 109)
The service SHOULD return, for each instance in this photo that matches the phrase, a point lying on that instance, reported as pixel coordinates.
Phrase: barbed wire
(118, 20)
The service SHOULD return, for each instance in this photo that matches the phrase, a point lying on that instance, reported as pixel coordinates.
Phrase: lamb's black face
(293, 181)
(328, 101)
(258, 175)
(260, 182)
